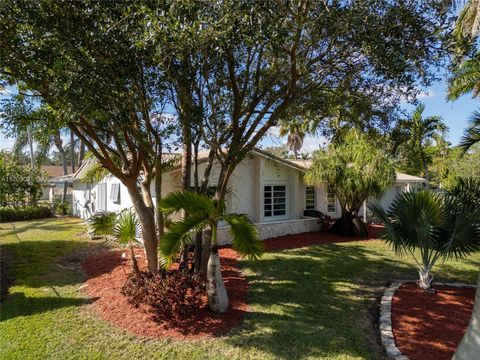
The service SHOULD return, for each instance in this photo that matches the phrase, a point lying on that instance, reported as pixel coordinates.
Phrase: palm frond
(191, 202)
(465, 78)
(179, 235)
(126, 227)
(471, 136)
(101, 224)
(244, 236)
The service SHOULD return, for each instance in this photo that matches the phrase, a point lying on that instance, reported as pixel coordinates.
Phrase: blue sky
(455, 115)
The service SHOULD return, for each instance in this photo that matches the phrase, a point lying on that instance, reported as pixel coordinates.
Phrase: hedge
(8, 214)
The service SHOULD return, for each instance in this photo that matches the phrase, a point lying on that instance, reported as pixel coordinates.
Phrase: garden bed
(107, 273)
(430, 326)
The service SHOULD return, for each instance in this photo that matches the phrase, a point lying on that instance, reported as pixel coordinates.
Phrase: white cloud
(426, 94)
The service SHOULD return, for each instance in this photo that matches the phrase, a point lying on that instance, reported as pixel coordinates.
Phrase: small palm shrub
(171, 296)
(101, 224)
(125, 229)
(63, 208)
(430, 227)
(205, 213)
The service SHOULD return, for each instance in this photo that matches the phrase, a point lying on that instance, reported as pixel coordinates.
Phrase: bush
(101, 224)
(170, 296)
(63, 208)
(8, 214)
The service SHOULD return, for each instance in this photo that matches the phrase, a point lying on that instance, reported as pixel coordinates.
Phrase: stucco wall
(273, 229)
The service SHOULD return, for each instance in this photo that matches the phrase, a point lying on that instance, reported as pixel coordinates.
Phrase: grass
(309, 303)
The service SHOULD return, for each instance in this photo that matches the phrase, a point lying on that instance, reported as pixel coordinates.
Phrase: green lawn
(316, 302)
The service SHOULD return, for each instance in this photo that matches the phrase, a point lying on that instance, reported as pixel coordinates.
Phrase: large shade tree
(256, 62)
(80, 57)
(356, 171)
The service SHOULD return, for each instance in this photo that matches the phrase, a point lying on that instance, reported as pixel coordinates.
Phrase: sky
(454, 114)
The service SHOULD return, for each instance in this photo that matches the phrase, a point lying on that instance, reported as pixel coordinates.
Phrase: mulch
(107, 272)
(315, 238)
(425, 326)
(430, 326)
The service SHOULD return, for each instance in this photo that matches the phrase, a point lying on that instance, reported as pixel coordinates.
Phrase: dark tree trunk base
(349, 225)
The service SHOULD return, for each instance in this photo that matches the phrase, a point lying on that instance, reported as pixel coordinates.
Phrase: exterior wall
(246, 196)
(273, 229)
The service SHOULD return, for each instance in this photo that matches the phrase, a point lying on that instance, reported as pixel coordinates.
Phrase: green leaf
(178, 235)
(244, 236)
(189, 201)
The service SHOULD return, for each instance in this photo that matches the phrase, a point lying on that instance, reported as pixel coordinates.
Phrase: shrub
(101, 224)
(8, 214)
(63, 208)
(170, 296)
(439, 226)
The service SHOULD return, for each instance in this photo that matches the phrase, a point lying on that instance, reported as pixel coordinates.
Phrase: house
(268, 189)
(52, 186)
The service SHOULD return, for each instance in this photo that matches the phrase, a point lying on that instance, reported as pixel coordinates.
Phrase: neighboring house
(53, 184)
(268, 189)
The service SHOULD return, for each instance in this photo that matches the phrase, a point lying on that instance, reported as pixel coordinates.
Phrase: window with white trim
(274, 201)
(102, 197)
(331, 200)
(309, 198)
(115, 193)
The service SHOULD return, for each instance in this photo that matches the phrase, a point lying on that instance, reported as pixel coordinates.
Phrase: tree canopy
(355, 170)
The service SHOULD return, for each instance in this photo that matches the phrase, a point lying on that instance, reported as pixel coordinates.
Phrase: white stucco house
(268, 189)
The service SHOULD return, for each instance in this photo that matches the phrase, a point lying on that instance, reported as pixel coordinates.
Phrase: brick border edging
(386, 331)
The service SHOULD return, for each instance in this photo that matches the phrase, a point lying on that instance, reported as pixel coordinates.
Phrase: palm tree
(465, 78)
(295, 132)
(204, 212)
(438, 226)
(471, 135)
(125, 231)
(417, 131)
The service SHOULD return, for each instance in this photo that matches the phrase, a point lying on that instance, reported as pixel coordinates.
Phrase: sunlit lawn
(315, 302)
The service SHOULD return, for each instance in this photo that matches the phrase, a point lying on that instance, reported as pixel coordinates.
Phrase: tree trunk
(207, 244)
(425, 278)
(135, 268)
(469, 347)
(72, 150)
(57, 139)
(146, 216)
(216, 292)
(158, 195)
(81, 153)
(349, 225)
(186, 179)
(425, 168)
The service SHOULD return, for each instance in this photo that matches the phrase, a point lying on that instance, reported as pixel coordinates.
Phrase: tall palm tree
(295, 132)
(437, 226)
(465, 78)
(419, 130)
(202, 213)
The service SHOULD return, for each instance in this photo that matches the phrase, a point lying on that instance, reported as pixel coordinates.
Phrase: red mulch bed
(107, 272)
(315, 238)
(430, 326)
